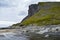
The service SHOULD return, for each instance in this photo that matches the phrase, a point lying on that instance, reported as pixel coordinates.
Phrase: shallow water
(11, 36)
(33, 36)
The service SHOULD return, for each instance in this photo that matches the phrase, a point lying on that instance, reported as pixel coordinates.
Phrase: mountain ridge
(43, 13)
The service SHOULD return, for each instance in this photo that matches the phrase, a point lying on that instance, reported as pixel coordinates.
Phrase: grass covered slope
(45, 16)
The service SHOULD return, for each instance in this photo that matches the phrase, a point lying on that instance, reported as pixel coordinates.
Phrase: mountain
(43, 13)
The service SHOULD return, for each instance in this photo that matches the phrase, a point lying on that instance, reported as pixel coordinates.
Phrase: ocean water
(10, 36)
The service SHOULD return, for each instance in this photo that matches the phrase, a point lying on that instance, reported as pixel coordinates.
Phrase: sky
(13, 11)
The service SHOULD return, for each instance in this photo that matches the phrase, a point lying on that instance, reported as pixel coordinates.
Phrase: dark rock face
(32, 10)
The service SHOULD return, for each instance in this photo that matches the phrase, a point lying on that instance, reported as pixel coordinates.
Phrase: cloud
(7, 3)
(6, 23)
(12, 11)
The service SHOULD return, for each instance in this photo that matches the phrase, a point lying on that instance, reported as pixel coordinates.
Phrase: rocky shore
(50, 32)
(41, 29)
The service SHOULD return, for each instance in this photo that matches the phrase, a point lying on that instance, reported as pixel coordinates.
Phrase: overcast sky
(13, 11)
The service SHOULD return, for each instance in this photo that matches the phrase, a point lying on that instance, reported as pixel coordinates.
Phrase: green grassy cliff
(48, 14)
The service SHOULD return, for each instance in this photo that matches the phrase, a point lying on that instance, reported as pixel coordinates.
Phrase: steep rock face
(33, 8)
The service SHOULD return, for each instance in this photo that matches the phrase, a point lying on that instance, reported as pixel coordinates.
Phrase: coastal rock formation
(34, 8)
(43, 13)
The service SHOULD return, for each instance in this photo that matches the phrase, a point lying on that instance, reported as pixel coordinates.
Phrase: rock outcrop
(33, 8)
